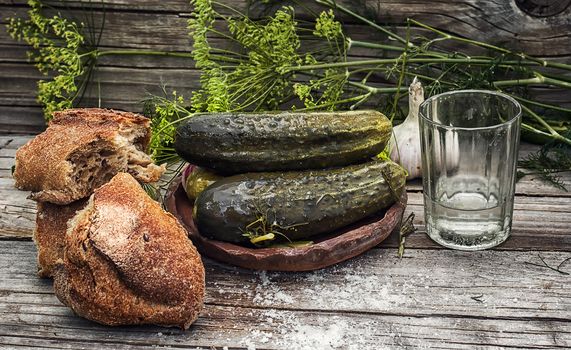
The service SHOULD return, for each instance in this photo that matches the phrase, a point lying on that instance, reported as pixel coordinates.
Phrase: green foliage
(327, 27)
(213, 97)
(551, 159)
(265, 232)
(58, 50)
(279, 62)
(165, 112)
(257, 75)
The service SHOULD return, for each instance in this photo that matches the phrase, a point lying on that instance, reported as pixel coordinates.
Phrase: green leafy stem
(327, 79)
(279, 61)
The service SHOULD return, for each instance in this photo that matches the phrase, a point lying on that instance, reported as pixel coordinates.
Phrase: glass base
(467, 240)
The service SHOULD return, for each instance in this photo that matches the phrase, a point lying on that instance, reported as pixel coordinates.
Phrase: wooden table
(431, 298)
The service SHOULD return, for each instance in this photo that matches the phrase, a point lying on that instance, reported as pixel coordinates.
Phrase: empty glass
(469, 141)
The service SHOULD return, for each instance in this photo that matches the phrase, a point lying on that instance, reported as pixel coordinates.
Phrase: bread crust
(127, 261)
(49, 234)
(48, 164)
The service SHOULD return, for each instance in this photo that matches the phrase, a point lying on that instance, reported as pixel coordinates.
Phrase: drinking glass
(469, 141)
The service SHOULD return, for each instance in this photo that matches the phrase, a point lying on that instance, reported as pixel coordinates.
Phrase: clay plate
(327, 249)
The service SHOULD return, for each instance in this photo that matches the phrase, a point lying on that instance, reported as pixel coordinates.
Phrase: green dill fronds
(260, 82)
(198, 28)
(263, 230)
(327, 27)
(57, 47)
(303, 92)
(256, 75)
(165, 113)
(152, 191)
(551, 159)
(213, 96)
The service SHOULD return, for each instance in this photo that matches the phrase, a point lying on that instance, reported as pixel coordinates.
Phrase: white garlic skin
(405, 141)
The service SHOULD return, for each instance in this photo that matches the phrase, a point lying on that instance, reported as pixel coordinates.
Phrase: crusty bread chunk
(49, 234)
(127, 261)
(82, 149)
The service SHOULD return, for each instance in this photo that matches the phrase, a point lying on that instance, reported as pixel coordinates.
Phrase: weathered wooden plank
(168, 31)
(155, 6)
(8, 142)
(18, 111)
(430, 299)
(21, 120)
(540, 223)
(495, 22)
(425, 282)
(138, 26)
(238, 328)
(529, 185)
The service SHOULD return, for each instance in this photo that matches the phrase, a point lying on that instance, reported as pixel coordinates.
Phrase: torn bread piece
(81, 150)
(127, 261)
(49, 234)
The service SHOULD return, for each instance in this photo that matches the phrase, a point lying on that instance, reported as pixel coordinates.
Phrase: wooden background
(161, 25)
(432, 298)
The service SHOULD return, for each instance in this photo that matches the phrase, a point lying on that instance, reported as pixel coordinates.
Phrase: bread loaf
(49, 234)
(127, 261)
(81, 150)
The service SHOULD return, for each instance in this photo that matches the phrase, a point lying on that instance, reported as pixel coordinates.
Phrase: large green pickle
(234, 143)
(296, 205)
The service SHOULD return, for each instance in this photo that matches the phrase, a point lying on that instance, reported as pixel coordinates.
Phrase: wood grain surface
(431, 298)
(157, 25)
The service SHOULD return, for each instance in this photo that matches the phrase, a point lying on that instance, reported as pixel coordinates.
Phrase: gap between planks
(438, 283)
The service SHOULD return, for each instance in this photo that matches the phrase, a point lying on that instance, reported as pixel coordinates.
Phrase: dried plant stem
(545, 265)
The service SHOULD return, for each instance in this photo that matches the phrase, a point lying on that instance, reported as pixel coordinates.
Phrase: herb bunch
(254, 76)
(67, 51)
(58, 46)
(273, 62)
(257, 75)
(280, 61)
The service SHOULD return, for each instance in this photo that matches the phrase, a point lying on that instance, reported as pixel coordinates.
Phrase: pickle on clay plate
(195, 179)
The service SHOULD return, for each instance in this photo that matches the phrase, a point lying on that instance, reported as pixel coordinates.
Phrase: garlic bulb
(405, 141)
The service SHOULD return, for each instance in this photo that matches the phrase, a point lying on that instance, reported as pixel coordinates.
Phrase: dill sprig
(165, 112)
(552, 159)
(58, 47)
(257, 76)
(265, 231)
(66, 51)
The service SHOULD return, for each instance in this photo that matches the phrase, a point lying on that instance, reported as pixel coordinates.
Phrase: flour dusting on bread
(127, 261)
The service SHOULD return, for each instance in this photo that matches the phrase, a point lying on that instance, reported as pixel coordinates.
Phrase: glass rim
(512, 120)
